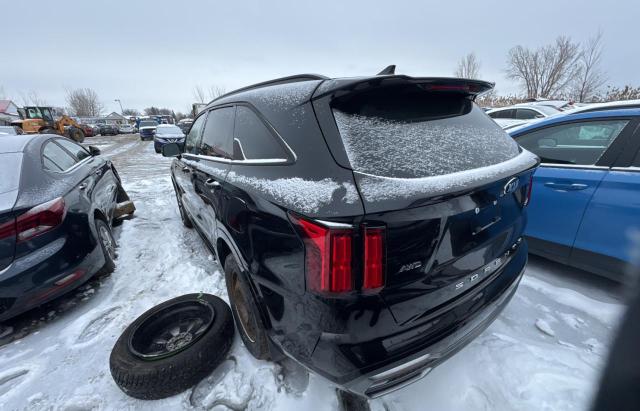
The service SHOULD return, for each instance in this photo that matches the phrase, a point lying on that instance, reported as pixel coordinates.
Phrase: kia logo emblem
(511, 186)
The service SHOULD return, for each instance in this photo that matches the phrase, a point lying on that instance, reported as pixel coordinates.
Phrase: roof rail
(283, 80)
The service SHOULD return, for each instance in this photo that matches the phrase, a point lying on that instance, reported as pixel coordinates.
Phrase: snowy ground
(543, 353)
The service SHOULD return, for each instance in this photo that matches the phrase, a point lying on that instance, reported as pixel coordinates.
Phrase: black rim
(171, 329)
(242, 310)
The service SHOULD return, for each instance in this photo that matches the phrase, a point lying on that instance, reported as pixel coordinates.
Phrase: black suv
(369, 227)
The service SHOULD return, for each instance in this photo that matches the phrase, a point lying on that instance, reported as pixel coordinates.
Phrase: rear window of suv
(410, 133)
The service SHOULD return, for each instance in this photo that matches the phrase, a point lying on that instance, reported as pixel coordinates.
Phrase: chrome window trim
(333, 224)
(576, 166)
(271, 161)
(635, 169)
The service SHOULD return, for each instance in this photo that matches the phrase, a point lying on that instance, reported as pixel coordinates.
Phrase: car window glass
(574, 143)
(217, 138)
(191, 141)
(77, 150)
(636, 162)
(526, 114)
(407, 133)
(509, 113)
(54, 154)
(254, 138)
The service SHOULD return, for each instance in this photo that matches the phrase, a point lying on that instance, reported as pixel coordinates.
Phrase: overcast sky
(155, 52)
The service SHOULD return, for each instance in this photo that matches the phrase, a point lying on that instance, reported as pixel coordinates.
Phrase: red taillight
(528, 198)
(329, 252)
(40, 219)
(327, 257)
(373, 258)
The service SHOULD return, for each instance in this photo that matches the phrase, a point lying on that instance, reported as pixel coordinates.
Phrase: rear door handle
(566, 186)
(82, 186)
(186, 169)
(211, 183)
(99, 171)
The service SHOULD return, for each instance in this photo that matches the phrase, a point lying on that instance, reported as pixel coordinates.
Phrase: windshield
(419, 135)
(169, 130)
(148, 124)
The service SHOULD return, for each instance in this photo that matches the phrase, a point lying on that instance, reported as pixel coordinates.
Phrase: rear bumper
(403, 354)
(45, 274)
(407, 371)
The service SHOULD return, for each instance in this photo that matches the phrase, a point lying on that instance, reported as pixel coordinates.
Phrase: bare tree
(591, 77)
(203, 96)
(84, 102)
(130, 112)
(199, 94)
(32, 98)
(468, 67)
(616, 94)
(547, 71)
(216, 91)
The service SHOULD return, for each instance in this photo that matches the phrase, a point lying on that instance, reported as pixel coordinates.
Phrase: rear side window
(412, 134)
(573, 143)
(191, 142)
(76, 149)
(217, 139)
(526, 114)
(254, 140)
(10, 166)
(510, 113)
(54, 158)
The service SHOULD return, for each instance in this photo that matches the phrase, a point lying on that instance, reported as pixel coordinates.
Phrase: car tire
(76, 134)
(186, 219)
(245, 311)
(157, 150)
(108, 245)
(160, 354)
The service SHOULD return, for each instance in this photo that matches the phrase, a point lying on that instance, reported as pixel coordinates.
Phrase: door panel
(209, 177)
(612, 216)
(559, 199)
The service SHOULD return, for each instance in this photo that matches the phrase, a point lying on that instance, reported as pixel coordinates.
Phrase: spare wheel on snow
(172, 346)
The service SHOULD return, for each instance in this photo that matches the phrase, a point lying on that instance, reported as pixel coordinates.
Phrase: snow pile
(305, 196)
(375, 188)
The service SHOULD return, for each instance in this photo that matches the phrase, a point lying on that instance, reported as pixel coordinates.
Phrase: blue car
(585, 209)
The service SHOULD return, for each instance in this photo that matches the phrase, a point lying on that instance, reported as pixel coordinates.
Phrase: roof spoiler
(466, 87)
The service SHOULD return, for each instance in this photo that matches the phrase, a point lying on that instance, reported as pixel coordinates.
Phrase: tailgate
(438, 251)
(447, 183)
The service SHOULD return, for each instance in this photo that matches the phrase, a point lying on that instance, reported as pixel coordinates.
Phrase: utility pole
(119, 102)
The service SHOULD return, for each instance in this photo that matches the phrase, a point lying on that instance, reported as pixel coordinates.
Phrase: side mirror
(171, 150)
(94, 151)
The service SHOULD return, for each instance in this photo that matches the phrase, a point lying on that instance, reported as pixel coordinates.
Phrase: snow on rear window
(10, 165)
(411, 144)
